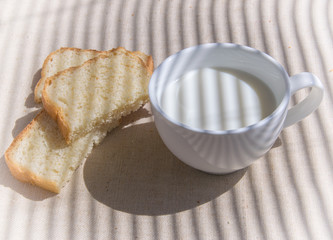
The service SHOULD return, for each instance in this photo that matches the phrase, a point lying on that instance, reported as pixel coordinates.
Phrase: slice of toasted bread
(40, 155)
(64, 58)
(97, 93)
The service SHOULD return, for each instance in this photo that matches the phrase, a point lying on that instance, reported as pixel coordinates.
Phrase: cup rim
(278, 110)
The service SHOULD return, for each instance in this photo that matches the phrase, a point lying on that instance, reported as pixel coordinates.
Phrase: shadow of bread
(30, 100)
(22, 122)
(133, 171)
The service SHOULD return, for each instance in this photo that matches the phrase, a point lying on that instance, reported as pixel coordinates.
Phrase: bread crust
(149, 61)
(21, 173)
(150, 64)
(56, 113)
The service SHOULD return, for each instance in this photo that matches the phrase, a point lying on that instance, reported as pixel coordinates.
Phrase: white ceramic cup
(226, 151)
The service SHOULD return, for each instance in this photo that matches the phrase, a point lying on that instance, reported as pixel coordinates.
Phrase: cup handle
(310, 103)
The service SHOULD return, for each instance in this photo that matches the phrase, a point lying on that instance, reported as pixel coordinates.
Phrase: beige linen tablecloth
(132, 187)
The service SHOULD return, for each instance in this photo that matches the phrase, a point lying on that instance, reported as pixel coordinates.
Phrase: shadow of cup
(133, 171)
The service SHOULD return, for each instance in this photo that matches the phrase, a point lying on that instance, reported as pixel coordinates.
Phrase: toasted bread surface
(64, 58)
(96, 93)
(40, 155)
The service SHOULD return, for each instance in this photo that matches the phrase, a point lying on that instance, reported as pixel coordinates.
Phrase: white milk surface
(217, 99)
